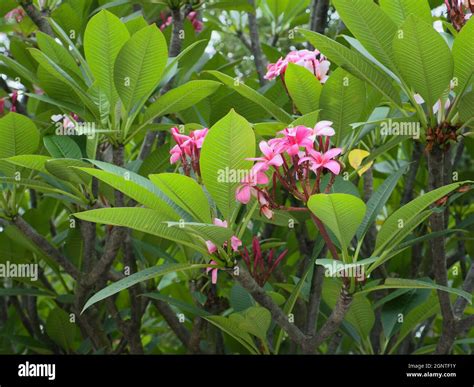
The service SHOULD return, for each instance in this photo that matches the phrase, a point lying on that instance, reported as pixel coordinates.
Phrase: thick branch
(46, 247)
(257, 53)
(319, 15)
(36, 16)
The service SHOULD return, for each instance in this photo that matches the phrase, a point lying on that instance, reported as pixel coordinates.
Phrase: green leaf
(303, 87)
(408, 212)
(466, 108)
(60, 329)
(361, 316)
(240, 299)
(423, 58)
(104, 37)
(257, 321)
(371, 26)
(142, 219)
(463, 57)
(401, 283)
(181, 305)
(271, 108)
(18, 135)
(42, 187)
(34, 162)
(231, 326)
(399, 10)
(415, 317)
(186, 193)
(180, 98)
(4, 292)
(216, 234)
(341, 213)
(139, 66)
(355, 63)
(58, 53)
(132, 184)
(62, 147)
(68, 170)
(223, 159)
(141, 276)
(378, 200)
(55, 70)
(342, 102)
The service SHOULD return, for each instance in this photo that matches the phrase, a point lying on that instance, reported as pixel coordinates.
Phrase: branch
(256, 48)
(36, 16)
(436, 166)
(259, 295)
(170, 317)
(412, 172)
(319, 15)
(46, 247)
(332, 323)
(468, 287)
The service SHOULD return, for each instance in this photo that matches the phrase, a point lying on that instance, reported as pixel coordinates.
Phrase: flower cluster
(192, 17)
(259, 266)
(459, 11)
(235, 243)
(188, 149)
(13, 102)
(294, 159)
(16, 14)
(314, 61)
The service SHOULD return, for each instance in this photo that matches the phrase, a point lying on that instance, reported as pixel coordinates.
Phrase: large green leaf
(399, 10)
(132, 184)
(34, 162)
(423, 58)
(144, 275)
(180, 98)
(341, 213)
(463, 56)
(139, 66)
(400, 218)
(57, 53)
(223, 158)
(67, 169)
(355, 63)
(104, 37)
(371, 26)
(62, 147)
(378, 200)
(142, 219)
(342, 102)
(304, 88)
(18, 135)
(271, 108)
(186, 193)
(55, 70)
(402, 283)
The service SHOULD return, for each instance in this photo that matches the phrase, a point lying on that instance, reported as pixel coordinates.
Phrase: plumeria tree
(255, 177)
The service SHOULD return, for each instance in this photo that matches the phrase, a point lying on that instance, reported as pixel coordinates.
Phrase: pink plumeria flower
(294, 139)
(234, 241)
(256, 177)
(322, 70)
(176, 154)
(271, 156)
(323, 160)
(276, 69)
(214, 272)
(324, 128)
